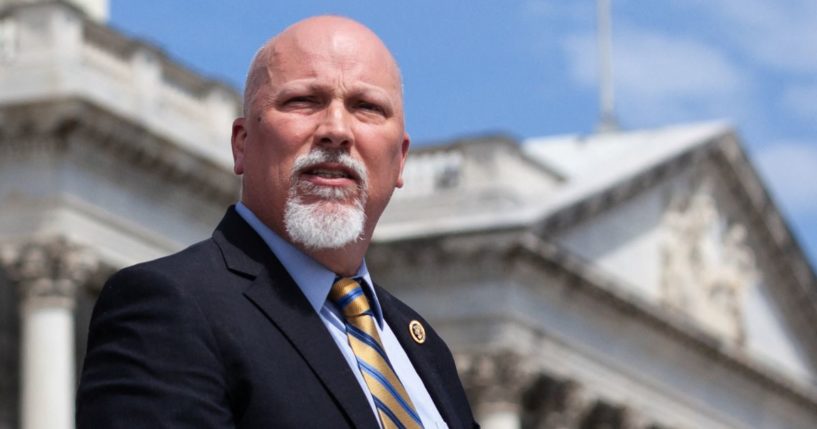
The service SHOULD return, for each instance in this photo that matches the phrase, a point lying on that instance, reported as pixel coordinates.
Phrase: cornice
(619, 192)
(56, 125)
(791, 264)
(475, 249)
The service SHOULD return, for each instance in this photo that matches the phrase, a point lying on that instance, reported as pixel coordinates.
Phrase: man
(274, 321)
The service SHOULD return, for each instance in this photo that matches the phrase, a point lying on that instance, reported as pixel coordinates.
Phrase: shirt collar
(314, 280)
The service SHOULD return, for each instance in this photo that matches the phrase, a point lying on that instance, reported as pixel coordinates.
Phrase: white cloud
(656, 64)
(802, 100)
(790, 168)
(781, 33)
(662, 77)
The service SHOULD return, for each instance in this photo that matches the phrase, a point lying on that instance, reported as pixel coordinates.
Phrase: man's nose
(335, 128)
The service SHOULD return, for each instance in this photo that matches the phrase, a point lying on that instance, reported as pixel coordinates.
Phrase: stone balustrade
(427, 172)
(53, 50)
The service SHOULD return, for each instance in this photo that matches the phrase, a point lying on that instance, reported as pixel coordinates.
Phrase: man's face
(324, 130)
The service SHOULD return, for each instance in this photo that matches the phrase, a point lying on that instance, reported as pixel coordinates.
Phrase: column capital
(555, 402)
(48, 270)
(498, 377)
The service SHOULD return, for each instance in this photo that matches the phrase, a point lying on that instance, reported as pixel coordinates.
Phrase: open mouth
(330, 174)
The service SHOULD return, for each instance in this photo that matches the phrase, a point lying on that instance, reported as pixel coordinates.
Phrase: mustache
(322, 155)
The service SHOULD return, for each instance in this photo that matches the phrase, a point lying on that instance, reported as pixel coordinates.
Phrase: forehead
(345, 55)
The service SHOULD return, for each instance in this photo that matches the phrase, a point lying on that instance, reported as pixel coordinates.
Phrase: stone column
(47, 274)
(495, 384)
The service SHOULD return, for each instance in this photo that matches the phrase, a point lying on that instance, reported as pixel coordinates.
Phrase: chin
(324, 224)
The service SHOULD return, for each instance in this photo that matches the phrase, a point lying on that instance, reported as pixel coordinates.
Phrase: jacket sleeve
(152, 360)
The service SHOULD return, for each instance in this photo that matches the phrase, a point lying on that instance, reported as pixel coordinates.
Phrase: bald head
(319, 36)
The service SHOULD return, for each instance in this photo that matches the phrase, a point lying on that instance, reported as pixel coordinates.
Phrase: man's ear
(238, 141)
(404, 148)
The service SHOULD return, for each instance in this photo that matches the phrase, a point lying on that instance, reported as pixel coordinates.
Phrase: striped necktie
(390, 398)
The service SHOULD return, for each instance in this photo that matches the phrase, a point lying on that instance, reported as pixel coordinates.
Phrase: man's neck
(344, 262)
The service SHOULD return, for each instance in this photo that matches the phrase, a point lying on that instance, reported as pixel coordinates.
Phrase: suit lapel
(276, 295)
(422, 357)
(286, 307)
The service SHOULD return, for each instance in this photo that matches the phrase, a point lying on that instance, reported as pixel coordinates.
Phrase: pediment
(686, 234)
(677, 216)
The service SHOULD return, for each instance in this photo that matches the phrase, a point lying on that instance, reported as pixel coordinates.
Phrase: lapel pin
(418, 333)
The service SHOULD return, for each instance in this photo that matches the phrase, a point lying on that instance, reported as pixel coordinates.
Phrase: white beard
(332, 221)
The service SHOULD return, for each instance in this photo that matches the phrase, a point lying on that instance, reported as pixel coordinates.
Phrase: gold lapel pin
(418, 333)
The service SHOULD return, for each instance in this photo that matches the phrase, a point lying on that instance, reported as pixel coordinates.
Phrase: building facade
(625, 280)
(637, 279)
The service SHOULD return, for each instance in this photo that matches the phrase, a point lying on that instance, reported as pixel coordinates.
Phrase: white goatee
(331, 221)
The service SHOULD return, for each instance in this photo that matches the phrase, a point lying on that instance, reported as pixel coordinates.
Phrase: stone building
(110, 154)
(623, 280)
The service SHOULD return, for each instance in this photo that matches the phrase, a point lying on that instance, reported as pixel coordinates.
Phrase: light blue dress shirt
(315, 281)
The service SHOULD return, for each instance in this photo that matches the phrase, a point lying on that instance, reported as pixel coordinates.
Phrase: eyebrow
(359, 89)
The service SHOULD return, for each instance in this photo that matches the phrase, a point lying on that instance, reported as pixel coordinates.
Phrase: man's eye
(371, 107)
(301, 100)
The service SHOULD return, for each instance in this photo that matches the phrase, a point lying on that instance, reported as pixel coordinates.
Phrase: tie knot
(348, 295)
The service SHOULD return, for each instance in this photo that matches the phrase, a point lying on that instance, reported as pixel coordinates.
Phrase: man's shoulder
(198, 264)
(198, 257)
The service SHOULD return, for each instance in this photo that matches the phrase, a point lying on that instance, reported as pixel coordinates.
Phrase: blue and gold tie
(390, 398)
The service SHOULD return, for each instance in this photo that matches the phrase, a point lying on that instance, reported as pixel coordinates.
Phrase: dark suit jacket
(220, 336)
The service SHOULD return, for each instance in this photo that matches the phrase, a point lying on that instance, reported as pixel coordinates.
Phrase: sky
(527, 68)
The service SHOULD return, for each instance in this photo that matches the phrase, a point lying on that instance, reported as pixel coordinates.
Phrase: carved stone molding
(64, 125)
(476, 250)
(49, 271)
(605, 415)
(707, 264)
(498, 378)
(554, 403)
(507, 381)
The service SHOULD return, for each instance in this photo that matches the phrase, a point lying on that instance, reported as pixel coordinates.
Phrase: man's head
(322, 142)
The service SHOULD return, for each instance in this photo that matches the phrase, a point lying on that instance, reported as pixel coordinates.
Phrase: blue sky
(527, 68)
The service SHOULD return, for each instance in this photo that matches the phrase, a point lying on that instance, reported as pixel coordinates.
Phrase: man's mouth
(330, 174)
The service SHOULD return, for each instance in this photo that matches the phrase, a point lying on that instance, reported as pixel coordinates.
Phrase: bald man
(274, 322)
